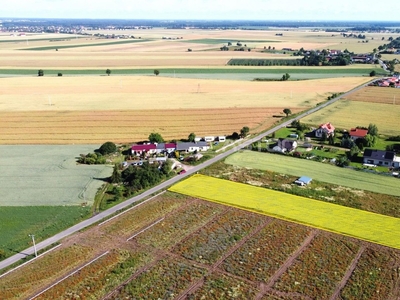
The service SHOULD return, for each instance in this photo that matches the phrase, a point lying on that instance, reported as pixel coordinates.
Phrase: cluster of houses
(393, 81)
(200, 144)
(371, 157)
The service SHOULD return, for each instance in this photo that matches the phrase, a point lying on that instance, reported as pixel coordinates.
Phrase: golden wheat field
(347, 114)
(151, 50)
(384, 95)
(91, 109)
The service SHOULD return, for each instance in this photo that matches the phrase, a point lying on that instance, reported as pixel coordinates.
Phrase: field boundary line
(135, 206)
(69, 275)
(29, 261)
(144, 229)
(348, 273)
(287, 263)
(214, 267)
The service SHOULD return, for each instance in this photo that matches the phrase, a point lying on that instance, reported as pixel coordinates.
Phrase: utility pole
(34, 245)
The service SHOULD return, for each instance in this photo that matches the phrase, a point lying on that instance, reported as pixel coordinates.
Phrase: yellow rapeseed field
(352, 222)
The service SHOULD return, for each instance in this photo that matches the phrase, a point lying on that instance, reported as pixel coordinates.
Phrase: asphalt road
(97, 218)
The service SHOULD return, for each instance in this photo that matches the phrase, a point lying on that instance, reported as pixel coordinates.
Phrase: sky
(311, 10)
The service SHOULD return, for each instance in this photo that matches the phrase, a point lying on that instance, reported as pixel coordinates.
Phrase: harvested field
(348, 114)
(126, 109)
(376, 94)
(85, 127)
(262, 258)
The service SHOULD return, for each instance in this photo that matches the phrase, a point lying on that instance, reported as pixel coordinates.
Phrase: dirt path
(348, 273)
(268, 286)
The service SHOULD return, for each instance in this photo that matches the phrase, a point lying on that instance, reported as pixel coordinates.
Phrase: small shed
(303, 180)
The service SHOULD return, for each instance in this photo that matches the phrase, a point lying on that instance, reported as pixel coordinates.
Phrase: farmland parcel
(126, 108)
(368, 226)
(48, 175)
(316, 170)
(201, 249)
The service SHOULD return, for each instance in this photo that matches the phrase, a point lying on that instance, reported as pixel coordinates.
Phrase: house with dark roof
(381, 158)
(357, 133)
(326, 128)
(285, 145)
(166, 147)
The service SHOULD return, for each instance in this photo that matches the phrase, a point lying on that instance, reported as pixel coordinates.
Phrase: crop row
(137, 218)
(219, 286)
(262, 255)
(23, 281)
(319, 269)
(173, 228)
(100, 277)
(375, 276)
(209, 243)
(165, 280)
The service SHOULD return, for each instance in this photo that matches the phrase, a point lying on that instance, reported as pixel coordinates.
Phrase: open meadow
(188, 248)
(316, 170)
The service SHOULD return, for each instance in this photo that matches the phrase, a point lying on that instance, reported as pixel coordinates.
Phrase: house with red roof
(357, 133)
(326, 128)
(143, 149)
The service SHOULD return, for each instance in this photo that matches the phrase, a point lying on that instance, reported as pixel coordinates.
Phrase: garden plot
(48, 175)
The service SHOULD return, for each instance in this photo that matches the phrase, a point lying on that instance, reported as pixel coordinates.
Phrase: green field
(317, 171)
(42, 221)
(48, 175)
(83, 45)
(352, 222)
(225, 41)
(296, 73)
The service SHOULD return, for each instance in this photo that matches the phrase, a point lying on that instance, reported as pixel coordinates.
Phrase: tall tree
(108, 72)
(40, 72)
(373, 130)
(155, 138)
(191, 137)
(107, 148)
(116, 176)
(156, 72)
(287, 111)
(244, 131)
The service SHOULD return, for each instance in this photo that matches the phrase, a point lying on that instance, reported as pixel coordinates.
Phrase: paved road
(13, 259)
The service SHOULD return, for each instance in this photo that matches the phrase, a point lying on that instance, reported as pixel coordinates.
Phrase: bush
(59, 74)
(107, 148)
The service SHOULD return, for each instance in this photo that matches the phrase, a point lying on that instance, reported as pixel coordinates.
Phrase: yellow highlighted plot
(352, 222)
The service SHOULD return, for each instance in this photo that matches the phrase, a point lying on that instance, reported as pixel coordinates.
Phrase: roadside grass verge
(318, 171)
(42, 221)
(356, 223)
(225, 41)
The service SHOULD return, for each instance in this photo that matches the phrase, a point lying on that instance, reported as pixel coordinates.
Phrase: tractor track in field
(348, 273)
(268, 286)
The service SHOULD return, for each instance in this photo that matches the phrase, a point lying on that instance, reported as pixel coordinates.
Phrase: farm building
(192, 147)
(381, 158)
(326, 128)
(303, 180)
